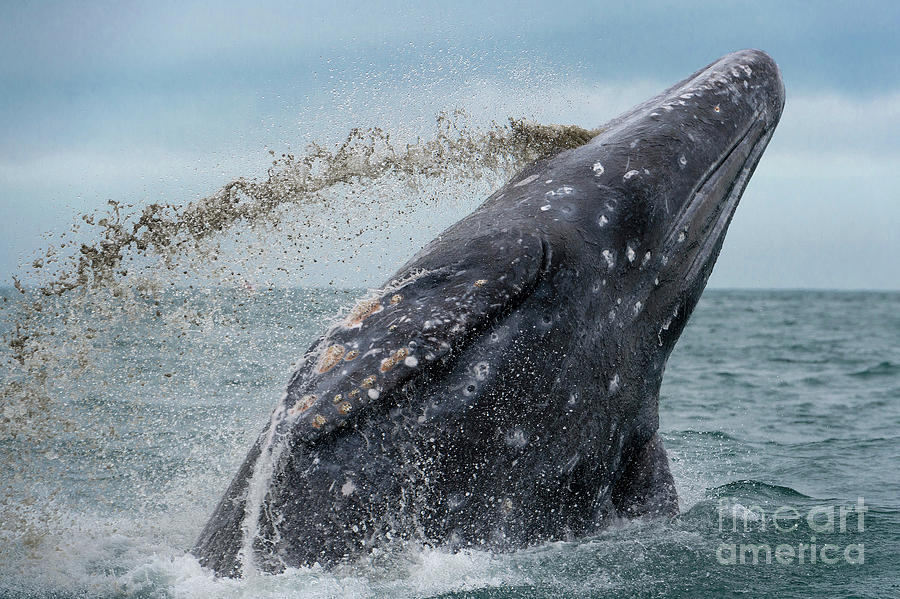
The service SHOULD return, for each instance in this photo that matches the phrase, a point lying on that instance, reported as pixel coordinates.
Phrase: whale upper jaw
(749, 85)
(664, 179)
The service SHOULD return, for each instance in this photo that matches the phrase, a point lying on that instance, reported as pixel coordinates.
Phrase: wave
(880, 369)
(757, 490)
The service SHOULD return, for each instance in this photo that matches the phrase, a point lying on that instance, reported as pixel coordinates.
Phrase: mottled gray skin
(532, 339)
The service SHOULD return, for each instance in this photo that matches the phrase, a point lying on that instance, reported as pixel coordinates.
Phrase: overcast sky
(169, 100)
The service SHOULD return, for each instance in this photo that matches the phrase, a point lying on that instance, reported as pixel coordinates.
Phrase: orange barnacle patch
(480, 283)
(303, 404)
(362, 311)
(351, 355)
(353, 393)
(319, 421)
(396, 298)
(330, 358)
(368, 381)
(345, 408)
(394, 359)
(337, 398)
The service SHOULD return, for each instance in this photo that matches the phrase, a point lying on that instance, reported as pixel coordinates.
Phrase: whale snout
(748, 75)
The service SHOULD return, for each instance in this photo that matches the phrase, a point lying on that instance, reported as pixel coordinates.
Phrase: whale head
(667, 177)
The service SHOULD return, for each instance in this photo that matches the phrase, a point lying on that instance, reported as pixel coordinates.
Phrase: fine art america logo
(834, 522)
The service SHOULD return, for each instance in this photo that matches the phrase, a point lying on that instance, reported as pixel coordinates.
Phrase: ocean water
(780, 411)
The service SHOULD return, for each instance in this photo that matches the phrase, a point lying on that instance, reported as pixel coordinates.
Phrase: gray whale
(502, 389)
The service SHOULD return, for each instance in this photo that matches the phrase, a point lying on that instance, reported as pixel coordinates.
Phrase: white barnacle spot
(481, 370)
(682, 160)
(681, 236)
(716, 108)
(303, 404)
(374, 393)
(545, 207)
(637, 307)
(629, 251)
(656, 281)
(747, 70)
(614, 384)
(525, 181)
(631, 174)
(610, 259)
(602, 220)
(548, 181)
(598, 169)
(664, 260)
(612, 314)
(564, 190)
(411, 362)
(347, 488)
(516, 438)
(646, 259)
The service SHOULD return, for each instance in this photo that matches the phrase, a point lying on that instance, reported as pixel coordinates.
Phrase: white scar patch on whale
(598, 169)
(630, 174)
(526, 181)
(610, 260)
(614, 384)
(629, 251)
(602, 220)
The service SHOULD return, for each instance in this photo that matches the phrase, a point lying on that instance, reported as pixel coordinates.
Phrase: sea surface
(780, 411)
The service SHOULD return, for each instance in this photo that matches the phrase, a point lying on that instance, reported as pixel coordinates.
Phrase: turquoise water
(779, 409)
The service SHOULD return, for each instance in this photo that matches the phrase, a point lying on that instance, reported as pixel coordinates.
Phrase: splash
(126, 248)
(126, 288)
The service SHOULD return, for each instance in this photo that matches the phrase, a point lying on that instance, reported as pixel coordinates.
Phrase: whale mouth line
(697, 196)
(714, 230)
